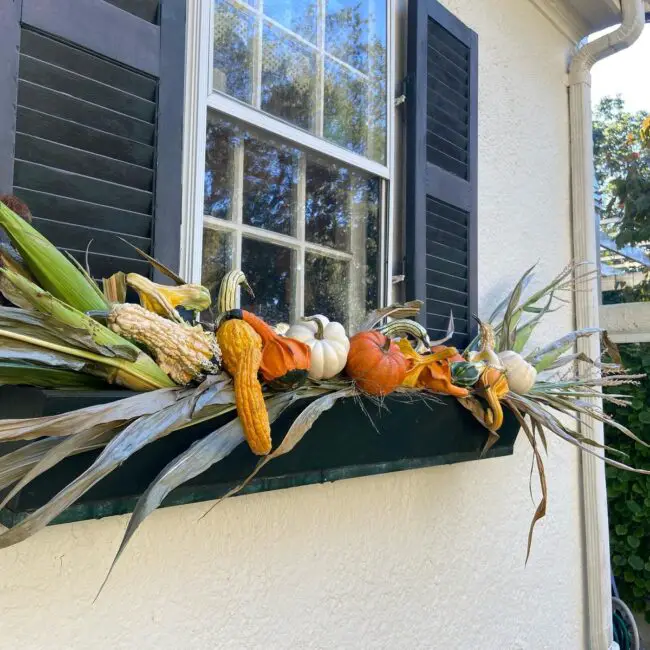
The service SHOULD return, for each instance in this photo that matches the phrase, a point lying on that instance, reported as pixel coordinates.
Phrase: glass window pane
(270, 271)
(300, 16)
(327, 206)
(270, 183)
(217, 258)
(234, 36)
(326, 287)
(218, 181)
(355, 32)
(289, 76)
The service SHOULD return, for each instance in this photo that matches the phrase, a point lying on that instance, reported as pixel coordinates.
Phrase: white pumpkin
(519, 373)
(328, 342)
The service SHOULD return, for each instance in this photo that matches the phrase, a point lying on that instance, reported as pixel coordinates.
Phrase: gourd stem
(320, 330)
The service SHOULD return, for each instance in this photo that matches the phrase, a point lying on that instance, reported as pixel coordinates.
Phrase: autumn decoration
(63, 332)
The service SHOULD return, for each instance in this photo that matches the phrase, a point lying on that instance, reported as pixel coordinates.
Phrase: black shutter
(441, 186)
(91, 124)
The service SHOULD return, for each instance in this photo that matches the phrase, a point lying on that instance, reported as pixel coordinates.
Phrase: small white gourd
(519, 373)
(328, 342)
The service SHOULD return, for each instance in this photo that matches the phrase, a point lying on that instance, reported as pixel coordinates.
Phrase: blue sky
(625, 73)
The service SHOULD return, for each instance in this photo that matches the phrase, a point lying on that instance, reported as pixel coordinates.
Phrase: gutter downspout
(586, 301)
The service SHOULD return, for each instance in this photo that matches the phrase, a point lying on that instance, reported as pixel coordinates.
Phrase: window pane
(355, 32)
(269, 269)
(330, 210)
(300, 16)
(218, 180)
(234, 35)
(327, 208)
(326, 287)
(288, 79)
(270, 182)
(217, 258)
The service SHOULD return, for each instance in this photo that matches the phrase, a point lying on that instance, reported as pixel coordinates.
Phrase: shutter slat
(53, 154)
(103, 266)
(78, 238)
(82, 112)
(83, 137)
(84, 213)
(441, 169)
(52, 76)
(64, 56)
(145, 9)
(78, 186)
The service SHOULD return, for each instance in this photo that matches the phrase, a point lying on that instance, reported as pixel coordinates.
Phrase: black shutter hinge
(401, 98)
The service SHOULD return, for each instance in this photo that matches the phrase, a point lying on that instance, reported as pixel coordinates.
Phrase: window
(295, 174)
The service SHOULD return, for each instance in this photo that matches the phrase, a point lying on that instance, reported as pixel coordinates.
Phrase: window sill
(344, 443)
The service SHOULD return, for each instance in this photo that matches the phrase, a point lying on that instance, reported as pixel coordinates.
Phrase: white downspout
(585, 248)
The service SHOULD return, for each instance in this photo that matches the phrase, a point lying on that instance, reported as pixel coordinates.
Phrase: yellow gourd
(241, 350)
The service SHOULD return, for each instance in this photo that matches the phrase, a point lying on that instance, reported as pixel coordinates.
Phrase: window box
(344, 443)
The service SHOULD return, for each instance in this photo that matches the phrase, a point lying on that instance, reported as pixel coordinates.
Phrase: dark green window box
(344, 443)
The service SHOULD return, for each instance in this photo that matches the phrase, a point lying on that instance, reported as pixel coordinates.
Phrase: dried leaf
(294, 435)
(66, 424)
(545, 356)
(136, 435)
(156, 264)
(197, 459)
(512, 315)
(115, 288)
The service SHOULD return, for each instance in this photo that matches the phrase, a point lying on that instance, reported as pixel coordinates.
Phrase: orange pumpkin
(375, 363)
(285, 361)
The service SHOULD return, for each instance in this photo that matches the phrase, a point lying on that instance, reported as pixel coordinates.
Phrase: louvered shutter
(91, 124)
(441, 186)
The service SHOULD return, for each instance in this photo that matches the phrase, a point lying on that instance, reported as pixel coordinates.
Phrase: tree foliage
(622, 169)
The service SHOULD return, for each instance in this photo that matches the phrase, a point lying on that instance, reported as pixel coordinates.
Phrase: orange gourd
(432, 371)
(285, 361)
(375, 363)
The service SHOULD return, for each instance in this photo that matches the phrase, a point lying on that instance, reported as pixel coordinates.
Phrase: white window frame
(200, 98)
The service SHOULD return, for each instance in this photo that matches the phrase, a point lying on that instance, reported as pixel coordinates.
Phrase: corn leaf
(294, 435)
(52, 270)
(48, 328)
(95, 437)
(136, 435)
(15, 464)
(522, 334)
(512, 314)
(86, 272)
(202, 455)
(68, 423)
(29, 374)
(141, 374)
(115, 288)
(156, 264)
(544, 357)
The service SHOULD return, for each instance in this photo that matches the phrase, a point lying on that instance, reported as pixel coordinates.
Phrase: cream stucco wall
(431, 558)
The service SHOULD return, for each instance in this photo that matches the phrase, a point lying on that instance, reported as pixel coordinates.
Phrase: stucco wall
(431, 558)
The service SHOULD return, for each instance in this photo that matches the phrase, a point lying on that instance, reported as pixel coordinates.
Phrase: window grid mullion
(298, 309)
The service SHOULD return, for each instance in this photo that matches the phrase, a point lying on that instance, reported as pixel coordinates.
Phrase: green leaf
(633, 542)
(634, 507)
(644, 416)
(619, 560)
(636, 563)
(637, 404)
(621, 529)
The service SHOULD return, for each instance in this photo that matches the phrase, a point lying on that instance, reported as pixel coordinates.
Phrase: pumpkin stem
(386, 346)
(320, 330)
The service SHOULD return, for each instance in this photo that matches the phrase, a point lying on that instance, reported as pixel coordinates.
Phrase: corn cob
(130, 367)
(184, 353)
(52, 270)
